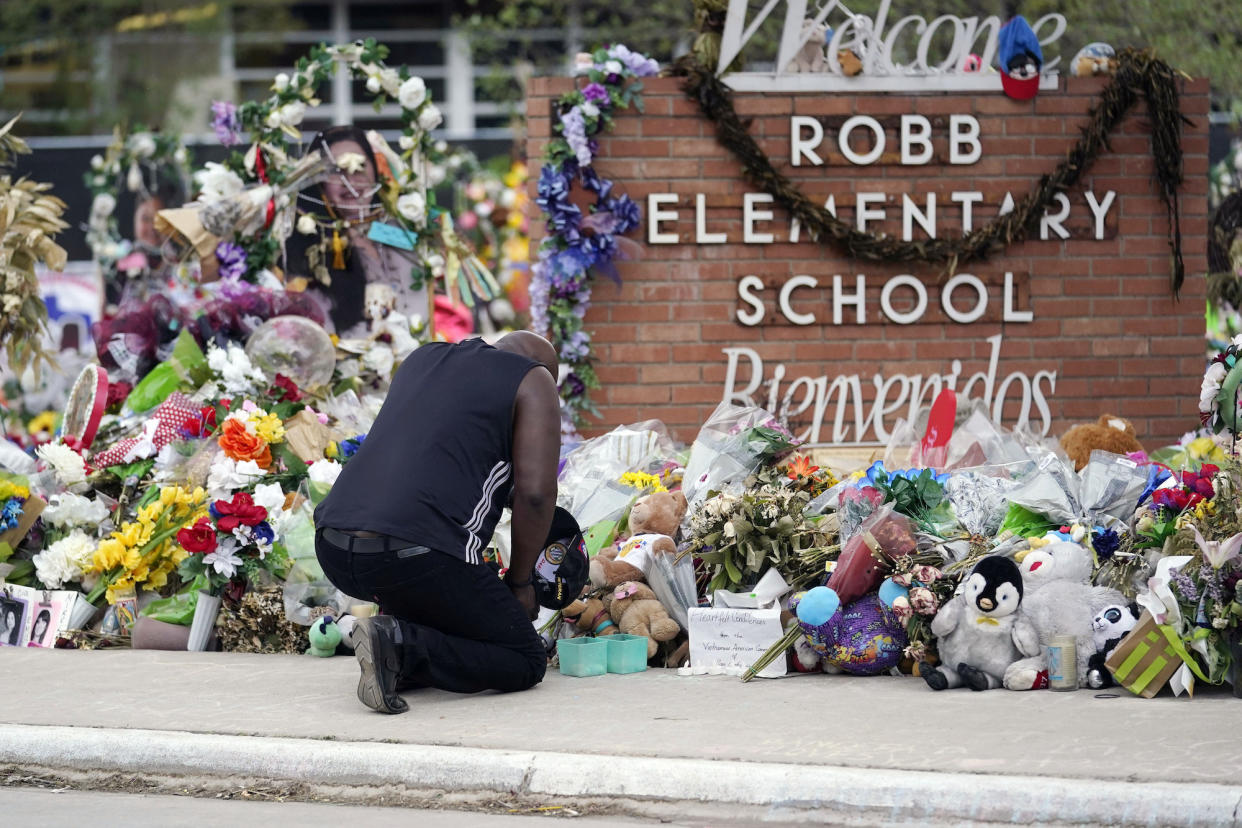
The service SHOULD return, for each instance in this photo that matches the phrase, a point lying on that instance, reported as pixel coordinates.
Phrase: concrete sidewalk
(885, 746)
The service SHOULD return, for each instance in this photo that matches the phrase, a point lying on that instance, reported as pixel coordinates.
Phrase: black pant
(461, 628)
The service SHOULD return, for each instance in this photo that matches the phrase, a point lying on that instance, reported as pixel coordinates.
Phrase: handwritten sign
(730, 640)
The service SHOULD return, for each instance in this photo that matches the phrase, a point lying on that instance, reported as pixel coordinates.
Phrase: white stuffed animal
(980, 631)
(811, 57)
(1059, 600)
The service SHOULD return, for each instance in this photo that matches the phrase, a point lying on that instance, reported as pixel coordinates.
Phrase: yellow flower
(1205, 449)
(45, 422)
(332, 451)
(268, 426)
(158, 578)
(642, 481)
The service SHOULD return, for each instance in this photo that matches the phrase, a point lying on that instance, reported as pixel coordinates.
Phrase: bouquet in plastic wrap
(733, 444)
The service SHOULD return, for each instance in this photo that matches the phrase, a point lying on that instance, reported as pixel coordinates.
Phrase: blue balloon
(890, 591)
(819, 605)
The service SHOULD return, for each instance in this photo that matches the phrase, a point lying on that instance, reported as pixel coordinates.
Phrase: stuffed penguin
(979, 631)
(1107, 629)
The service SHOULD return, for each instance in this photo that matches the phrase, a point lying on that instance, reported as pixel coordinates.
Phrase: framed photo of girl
(45, 621)
(15, 604)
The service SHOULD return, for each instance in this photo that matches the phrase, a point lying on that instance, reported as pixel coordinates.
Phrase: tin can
(1062, 663)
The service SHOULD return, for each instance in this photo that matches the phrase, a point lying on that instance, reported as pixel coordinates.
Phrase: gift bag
(1148, 657)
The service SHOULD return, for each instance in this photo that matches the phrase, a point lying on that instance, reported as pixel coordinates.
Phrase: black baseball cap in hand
(563, 567)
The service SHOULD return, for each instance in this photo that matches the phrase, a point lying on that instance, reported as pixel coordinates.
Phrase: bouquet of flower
(808, 478)
(1220, 397)
(233, 542)
(738, 537)
(1173, 505)
(927, 588)
(143, 551)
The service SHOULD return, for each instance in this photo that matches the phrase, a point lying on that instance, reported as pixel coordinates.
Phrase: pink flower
(926, 574)
(923, 601)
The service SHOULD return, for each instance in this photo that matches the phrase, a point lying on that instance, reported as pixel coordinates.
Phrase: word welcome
(813, 397)
(869, 208)
(750, 288)
(875, 41)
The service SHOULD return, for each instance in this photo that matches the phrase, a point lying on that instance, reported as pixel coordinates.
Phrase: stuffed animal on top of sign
(1109, 626)
(1094, 59)
(1059, 600)
(980, 631)
(653, 523)
(810, 58)
(1021, 58)
(1109, 433)
(636, 611)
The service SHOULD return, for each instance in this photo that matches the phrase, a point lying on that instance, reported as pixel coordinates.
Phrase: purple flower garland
(577, 244)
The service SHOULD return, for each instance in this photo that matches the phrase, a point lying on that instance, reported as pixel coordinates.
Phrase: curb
(882, 794)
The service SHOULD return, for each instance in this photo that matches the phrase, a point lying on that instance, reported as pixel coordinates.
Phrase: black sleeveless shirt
(436, 469)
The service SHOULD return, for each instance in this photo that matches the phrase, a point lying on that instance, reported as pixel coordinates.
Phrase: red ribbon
(260, 170)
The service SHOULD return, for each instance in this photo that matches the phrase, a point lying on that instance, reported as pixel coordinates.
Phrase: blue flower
(1105, 543)
(348, 448)
(262, 533)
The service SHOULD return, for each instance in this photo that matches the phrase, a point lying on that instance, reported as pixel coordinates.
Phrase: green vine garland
(1138, 73)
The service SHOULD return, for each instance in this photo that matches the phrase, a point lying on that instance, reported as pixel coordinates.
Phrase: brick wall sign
(730, 301)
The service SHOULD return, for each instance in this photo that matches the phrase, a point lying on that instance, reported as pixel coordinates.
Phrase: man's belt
(373, 545)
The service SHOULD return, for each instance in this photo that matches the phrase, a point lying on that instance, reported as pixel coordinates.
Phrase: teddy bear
(1109, 433)
(980, 631)
(590, 616)
(1059, 600)
(636, 611)
(1094, 59)
(653, 523)
(1109, 626)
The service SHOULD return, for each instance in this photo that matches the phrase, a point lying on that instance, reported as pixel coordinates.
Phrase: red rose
(242, 510)
(199, 538)
(285, 389)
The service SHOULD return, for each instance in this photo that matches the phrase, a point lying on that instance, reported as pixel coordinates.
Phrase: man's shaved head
(533, 346)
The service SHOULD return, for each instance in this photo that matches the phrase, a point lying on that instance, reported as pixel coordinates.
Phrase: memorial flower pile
(233, 542)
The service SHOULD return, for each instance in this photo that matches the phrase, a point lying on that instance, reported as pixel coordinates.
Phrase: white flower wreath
(131, 163)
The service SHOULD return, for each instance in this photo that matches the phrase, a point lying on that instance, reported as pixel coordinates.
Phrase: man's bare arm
(536, 453)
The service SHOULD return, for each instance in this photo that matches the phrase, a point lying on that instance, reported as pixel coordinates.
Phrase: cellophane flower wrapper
(591, 472)
(725, 451)
(980, 500)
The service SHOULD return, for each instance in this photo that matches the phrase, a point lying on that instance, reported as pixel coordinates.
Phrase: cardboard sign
(731, 640)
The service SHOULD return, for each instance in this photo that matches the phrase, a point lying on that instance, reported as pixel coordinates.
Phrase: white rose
(436, 262)
(589, 110)
(324, 471)
(282, 82)
(97, 162)
(373, 84)
(1211, 386)
(412, 93)
(412, 207)
(306, 224)
(179, 155)
(430, 118)
(142, 144)
(613, 67)
(294, 112)
(390, 81)
(102, 206)
(406, 142)
(217, 182)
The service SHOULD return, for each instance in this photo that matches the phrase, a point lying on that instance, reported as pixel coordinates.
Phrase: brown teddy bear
(590, 615)
(636, 611)
(1109, 433)
(653, 523)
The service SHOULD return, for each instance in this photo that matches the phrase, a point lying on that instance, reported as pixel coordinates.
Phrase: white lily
(1218, 553)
